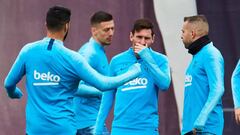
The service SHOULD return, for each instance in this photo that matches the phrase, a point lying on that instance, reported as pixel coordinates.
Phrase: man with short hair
(204, 80)
(136, 102)
(87, 100)
(52, 74)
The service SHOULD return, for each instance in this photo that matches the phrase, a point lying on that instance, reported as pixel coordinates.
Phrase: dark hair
(57, 17)
(99, 17)
(142, 24)
(196, 18)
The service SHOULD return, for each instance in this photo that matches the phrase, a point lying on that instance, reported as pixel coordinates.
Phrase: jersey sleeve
(15, 74)
(214, 67)
(84, 89)
(159, 71)
(236, 85)
(101, 82)
(105, 107)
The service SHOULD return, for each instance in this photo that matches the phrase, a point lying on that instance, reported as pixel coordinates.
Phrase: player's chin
(108, 42)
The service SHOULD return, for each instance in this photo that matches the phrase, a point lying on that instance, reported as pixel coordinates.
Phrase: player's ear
(93, 30)
(153, 38)
(131, 36)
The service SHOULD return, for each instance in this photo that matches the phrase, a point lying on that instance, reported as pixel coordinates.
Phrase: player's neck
(55, 35)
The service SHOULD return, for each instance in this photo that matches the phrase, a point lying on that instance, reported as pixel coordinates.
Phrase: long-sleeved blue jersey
(136, 103)
(236, 86)
(52, 74)
(86, 108)
(204, 87)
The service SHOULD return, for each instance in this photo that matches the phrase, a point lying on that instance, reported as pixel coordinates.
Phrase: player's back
(51, 82)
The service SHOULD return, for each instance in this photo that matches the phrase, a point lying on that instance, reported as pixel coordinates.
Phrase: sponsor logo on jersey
(188, 80)
(138, 83)
(45, 79)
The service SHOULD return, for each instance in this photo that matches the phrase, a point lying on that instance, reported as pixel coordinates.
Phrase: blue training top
(136, 104)
(236, 85)
(53, 73)
(86, 108)
(204, 87)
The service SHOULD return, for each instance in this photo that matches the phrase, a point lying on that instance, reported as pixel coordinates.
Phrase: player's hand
(237, 115)
(194, 131)
(138, 47)
(16, 94)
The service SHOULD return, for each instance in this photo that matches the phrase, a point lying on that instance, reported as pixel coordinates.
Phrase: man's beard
(65, 36)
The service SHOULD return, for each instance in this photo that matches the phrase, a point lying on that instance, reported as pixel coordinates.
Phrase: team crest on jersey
(138, 83)
(45, 79)
(188, 80)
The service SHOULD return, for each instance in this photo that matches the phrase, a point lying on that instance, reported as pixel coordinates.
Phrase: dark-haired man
(136, 102)
(52, 74)
(88, 98)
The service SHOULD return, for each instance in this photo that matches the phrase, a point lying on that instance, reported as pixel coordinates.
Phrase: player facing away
(52, 74)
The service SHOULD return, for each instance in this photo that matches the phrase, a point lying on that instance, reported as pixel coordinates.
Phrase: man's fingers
(237, 117)
(138, 44)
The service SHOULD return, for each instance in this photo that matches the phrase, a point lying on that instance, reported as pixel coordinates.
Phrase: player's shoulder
(68, 52)
(157, 53)
(211, 52)
(30, 46)
(158, 56)
(88, 49)
(121, 56)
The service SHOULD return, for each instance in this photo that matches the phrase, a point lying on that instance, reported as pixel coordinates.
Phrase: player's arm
(85, 90)
(236, 91)
(160, 70)
(15, 74)
(106, 104)
(214, 67)
(105, 107)
(101, 82)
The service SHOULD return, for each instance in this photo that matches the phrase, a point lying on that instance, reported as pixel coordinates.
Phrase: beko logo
(188, 80)
(138, 83)
(45, 78)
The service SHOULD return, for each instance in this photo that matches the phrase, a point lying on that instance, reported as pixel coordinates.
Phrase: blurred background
(23, 21)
